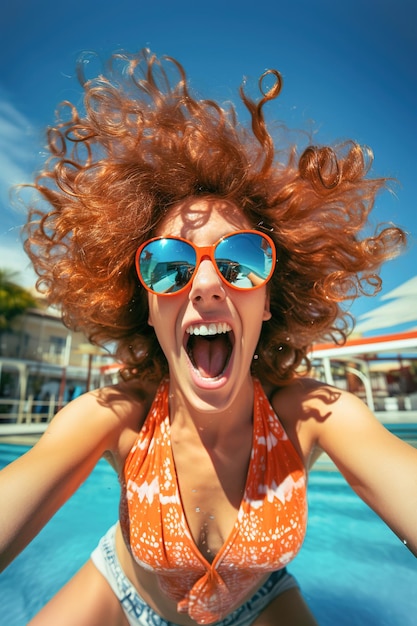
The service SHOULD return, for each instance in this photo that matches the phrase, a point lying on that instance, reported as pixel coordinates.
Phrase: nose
(207, 286)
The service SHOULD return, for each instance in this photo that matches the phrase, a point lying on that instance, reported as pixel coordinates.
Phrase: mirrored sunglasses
(244, 260)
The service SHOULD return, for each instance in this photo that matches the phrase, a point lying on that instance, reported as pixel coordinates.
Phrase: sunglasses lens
(245, 259)
(167, 265)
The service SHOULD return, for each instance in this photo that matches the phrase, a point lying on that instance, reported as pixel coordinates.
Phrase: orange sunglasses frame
(203, 252)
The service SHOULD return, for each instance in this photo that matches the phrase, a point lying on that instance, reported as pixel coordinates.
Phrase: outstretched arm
(36, 485)
(381, 468)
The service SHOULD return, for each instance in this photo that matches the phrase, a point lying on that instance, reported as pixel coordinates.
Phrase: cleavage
(211, 487)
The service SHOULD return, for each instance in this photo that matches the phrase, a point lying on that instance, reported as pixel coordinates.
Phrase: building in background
(381, 370)
(43, 365)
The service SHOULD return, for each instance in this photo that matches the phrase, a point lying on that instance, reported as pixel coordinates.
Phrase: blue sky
(349, 72)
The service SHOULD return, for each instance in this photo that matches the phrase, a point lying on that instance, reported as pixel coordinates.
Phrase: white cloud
(401, 310)
(17, 154)
(409, 288)
(19, 149)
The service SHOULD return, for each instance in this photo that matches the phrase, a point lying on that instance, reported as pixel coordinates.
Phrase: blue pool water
(352, 569)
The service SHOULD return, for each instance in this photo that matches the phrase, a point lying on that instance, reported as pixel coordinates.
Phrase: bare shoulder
(305, 399)
(320, 404)
(127, 402)
(108, 418)
(317, 416)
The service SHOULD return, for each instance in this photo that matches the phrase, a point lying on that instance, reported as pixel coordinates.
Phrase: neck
(211, 421)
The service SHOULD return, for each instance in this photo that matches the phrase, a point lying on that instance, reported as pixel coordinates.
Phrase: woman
(212, 261)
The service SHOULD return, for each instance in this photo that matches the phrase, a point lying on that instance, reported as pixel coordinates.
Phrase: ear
(267, 313)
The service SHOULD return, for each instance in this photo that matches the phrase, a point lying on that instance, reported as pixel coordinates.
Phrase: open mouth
(209, 347)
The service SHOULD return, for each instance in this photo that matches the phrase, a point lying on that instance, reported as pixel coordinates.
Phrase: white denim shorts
(138, 613)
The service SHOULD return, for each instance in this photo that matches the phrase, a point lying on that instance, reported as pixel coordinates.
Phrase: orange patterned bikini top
(269, 528)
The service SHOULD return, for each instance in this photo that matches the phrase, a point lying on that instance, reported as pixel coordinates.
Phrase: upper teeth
(208, 329)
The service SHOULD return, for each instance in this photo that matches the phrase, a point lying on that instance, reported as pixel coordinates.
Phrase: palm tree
(14, 300)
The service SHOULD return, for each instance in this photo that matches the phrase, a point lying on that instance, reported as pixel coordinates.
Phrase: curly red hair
(143, 144)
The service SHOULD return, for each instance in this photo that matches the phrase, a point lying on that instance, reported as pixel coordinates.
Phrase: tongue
(210, 355)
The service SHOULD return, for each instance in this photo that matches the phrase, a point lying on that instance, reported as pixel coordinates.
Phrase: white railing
(27, 411)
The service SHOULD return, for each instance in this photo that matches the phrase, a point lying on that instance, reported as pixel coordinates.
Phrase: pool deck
(28, 434)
